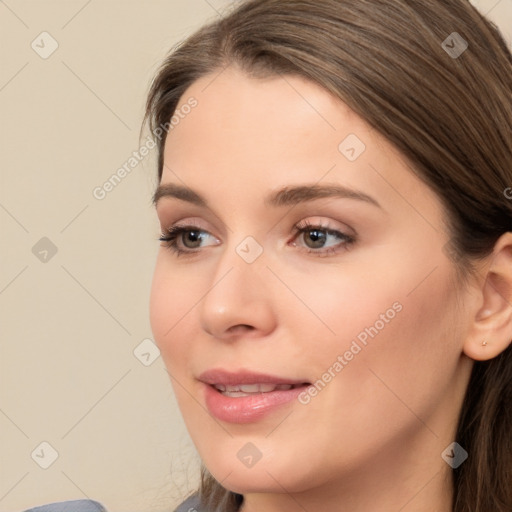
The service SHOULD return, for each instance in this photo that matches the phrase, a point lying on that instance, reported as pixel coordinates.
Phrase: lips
(245, 397)
(226, 378)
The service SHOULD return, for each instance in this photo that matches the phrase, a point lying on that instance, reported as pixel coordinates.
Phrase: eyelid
(185, 222)
(185, 216)
(326, 224)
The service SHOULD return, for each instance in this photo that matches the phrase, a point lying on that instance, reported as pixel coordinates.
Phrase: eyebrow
(287, 196)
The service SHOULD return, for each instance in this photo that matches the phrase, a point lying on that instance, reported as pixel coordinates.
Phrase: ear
(491, 331)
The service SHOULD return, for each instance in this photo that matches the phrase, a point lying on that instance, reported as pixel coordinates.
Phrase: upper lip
(227, 378)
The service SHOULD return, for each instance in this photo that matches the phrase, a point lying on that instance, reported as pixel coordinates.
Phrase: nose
(239, 300)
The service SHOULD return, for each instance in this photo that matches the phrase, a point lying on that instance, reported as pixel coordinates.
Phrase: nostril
(241, 328)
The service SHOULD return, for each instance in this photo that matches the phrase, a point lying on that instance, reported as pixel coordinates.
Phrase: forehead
(261, 123)
(251, 135)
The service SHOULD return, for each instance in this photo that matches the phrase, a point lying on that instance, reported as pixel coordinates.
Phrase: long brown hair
(399, 65)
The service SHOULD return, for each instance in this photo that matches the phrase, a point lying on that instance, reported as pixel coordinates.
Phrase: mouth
(247, 397)
(240, 390)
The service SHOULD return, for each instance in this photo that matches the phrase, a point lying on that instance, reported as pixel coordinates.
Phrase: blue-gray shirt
(191, 504)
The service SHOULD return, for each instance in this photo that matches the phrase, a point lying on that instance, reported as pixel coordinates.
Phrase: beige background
(71, 321)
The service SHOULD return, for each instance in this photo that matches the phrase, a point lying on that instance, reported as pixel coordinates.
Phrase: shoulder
(70, 506)
(191, 504)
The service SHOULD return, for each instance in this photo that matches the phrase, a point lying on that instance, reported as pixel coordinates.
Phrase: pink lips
(254, 406)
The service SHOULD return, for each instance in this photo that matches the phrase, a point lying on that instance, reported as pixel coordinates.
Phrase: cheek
(171, 299)
(396, 341)
(160, 299)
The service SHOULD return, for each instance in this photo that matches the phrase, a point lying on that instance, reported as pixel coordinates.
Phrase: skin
(372, 439)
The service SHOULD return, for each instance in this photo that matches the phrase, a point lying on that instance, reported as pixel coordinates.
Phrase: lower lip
(247, 409)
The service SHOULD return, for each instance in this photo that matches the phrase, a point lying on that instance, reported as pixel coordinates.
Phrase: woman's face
(360, 305)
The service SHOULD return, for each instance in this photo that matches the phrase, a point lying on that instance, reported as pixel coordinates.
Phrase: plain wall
(71, 321)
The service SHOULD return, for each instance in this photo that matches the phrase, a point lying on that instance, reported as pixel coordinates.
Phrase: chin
(253, 481)
(270, 476)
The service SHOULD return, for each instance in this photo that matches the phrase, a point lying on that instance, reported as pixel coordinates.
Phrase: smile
(251, 389)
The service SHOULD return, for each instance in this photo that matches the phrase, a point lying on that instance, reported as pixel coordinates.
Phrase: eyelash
(171, 235)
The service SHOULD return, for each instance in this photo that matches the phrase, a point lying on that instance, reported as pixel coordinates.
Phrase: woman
(333, 295)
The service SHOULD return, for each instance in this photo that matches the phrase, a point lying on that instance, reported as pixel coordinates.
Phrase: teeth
(249, 388)
(245, 389)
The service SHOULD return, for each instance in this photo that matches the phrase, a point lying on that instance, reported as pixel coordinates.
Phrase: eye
(316, 239)
(321, 240)
(189, 237)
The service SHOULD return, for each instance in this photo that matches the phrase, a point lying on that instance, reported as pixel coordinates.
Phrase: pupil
(317, 237)
(194, 237)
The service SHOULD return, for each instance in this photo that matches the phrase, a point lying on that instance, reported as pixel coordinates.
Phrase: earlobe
(491, 332)
(487, 349)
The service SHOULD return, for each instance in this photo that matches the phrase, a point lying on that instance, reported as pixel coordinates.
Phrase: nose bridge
(238, 293)
(240, 266)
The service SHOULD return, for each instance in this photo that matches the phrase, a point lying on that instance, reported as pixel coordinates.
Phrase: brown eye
(321, 240)
(192, 238)
(185, 239)
(314, 238)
